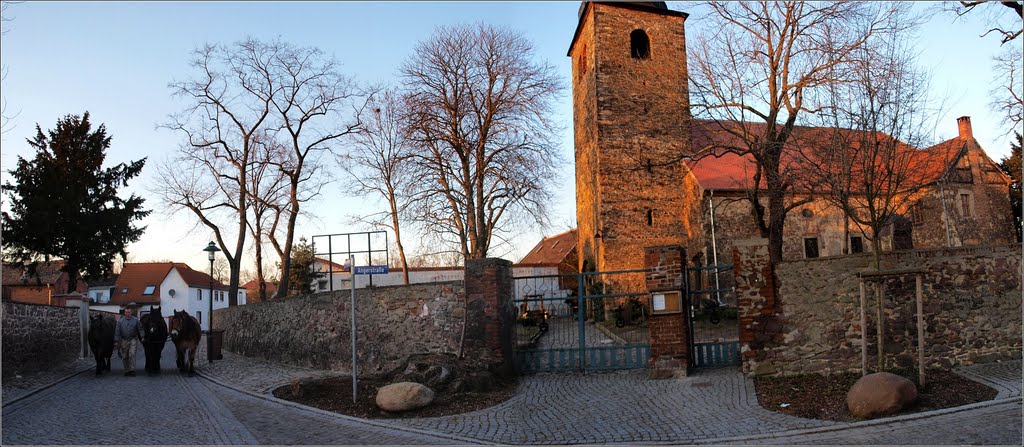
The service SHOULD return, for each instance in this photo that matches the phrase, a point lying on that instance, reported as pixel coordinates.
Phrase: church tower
(631, 119)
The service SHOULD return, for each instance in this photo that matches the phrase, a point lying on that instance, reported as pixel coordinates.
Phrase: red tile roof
(724, 170)
(551, 250)
(135, 277)
(252, 288)
(45, 273)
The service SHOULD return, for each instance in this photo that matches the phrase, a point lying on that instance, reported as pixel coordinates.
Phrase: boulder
(880, 394)
(404, 396)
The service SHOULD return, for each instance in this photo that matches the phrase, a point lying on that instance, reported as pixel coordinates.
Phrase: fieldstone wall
(972, 306)
(314, 330)
(35, 336)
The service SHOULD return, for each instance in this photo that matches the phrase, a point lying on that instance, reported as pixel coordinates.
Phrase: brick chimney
(964, 123)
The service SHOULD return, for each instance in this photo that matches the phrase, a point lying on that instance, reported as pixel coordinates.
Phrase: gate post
(669, 332)
(489, 320)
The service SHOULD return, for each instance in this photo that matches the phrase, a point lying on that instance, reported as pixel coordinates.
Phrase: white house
(172, 286)
(335, 276)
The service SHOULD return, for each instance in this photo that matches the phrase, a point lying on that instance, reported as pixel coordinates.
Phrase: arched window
(639, 44)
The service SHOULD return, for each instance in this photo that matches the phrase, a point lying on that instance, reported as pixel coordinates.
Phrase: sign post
(352, 306)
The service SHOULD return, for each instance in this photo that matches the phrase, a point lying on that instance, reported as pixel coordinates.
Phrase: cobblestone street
(229, 402)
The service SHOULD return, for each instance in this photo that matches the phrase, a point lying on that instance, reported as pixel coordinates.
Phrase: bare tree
(998, 25)
(268, 194)
(5, 118)
(230, 101)
(314, 107)
(761, 68)
(480, 125)
(379, 165)
(1008, 88)
(869, 167)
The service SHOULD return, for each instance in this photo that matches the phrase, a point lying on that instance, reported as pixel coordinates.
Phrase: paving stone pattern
(710, 407)
(22, 383)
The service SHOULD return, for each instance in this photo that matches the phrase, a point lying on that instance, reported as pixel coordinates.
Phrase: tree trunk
(289, 237)
(398, 241)
(876, 244)
(260, 281)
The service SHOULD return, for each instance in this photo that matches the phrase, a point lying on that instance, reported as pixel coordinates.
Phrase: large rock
(404, 396)
(880, 394)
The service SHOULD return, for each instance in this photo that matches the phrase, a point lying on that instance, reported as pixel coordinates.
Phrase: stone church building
(636, 188)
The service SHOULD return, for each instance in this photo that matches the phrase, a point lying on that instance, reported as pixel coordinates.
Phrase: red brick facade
(670, 343)
(490, 318)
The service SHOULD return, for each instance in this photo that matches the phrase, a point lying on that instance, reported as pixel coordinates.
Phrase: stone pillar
(759, 321)
(670, 332)
(489, 317)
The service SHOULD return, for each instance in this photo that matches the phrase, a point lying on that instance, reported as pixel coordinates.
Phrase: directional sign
(371, 270)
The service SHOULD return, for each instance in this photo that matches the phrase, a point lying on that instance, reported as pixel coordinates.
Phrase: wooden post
(920, 332)
(863, 331)
(880, 287)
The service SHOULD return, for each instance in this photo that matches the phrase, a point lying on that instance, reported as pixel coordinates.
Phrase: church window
(650, 217)
(810, 247)
(639, 44)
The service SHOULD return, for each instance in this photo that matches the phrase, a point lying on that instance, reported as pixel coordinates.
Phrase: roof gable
(133, 280)
(551, 250)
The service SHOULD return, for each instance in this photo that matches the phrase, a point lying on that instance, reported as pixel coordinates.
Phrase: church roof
(801, 158)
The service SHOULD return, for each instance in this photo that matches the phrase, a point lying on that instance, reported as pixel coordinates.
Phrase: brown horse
(185, 333)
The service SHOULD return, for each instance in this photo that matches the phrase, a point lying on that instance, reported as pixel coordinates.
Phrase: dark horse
(185, 333)
(154, 330)
(101, 340)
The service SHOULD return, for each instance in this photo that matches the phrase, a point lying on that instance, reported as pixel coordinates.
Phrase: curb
(861, 424)
(460, 439)
(47, 386)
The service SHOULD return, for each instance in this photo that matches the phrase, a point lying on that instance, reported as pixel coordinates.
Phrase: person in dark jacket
(127, 336)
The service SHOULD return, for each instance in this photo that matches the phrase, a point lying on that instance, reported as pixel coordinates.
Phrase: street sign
(371, 270)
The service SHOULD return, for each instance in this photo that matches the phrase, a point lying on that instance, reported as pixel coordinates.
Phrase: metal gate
(581, 322)
(714, 324)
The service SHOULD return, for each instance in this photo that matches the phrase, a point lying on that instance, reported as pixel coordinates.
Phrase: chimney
(964, 123)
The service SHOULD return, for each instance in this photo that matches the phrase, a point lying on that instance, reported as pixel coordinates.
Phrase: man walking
(127, 337)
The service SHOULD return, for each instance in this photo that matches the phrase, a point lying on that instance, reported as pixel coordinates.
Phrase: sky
(115, 60)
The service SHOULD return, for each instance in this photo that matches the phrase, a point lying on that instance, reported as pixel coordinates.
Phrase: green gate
(714, 323)
(581, 322)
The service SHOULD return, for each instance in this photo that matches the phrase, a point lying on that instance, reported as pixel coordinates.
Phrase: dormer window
(149, 290)
(639, 44)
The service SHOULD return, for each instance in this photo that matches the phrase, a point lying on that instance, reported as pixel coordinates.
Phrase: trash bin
(216, 344)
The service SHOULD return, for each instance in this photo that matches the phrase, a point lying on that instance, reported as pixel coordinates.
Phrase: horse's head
(95, 319)
(176, 322)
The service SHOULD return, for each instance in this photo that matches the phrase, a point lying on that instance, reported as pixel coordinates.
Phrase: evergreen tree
(300, 272)
(64, 204)
(1012, 166)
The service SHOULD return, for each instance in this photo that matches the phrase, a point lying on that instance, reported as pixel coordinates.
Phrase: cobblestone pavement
(710, 407)
(175, 409)
(22, 383)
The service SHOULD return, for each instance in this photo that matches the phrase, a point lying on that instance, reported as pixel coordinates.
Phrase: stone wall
(314, 330)
(972, 305)
(35, 336)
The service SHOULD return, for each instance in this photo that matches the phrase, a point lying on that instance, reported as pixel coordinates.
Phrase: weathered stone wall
(632, 126)
(36, 335)
(972, 306)
(314, 330)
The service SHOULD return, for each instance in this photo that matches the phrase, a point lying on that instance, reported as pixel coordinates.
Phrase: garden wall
(972, 308)
(35, 336)
(314, 330)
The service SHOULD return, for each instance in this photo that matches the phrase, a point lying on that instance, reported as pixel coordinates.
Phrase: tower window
(650, 217)
(639, 44)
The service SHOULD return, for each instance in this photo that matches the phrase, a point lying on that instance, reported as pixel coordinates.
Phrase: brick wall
(972, 304)
(669, 333)
(35, 336)
(490, 310)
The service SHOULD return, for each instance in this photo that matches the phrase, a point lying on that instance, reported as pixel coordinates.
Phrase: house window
(965, 204)
(149, 290)
(124, 291)
(917, 213)
(856, 244)
(199, 316)
(639, 44)
(810, 247)
(199, 294)
(321, 284)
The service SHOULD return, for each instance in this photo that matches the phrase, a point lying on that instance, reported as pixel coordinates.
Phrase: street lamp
(211, 250)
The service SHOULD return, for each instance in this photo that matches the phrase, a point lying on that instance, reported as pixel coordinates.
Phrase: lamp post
(211, 250)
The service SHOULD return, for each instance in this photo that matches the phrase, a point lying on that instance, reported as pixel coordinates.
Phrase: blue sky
(115, 60)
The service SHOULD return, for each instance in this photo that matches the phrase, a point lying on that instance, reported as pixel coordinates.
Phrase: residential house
(252, 291)
(37, 283)
(548, 274)
(173, 287)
